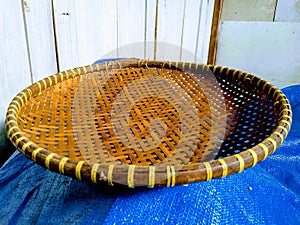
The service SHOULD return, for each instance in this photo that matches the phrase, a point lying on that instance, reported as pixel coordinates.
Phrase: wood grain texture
(213, 43)
(39, 24)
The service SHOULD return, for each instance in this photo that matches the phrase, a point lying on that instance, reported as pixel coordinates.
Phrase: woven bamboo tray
(148, 123)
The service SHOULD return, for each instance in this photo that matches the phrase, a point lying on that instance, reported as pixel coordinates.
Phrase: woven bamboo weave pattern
(148, 123)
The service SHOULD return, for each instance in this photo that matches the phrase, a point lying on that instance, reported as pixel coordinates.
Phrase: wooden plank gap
(150, 28)
(25, 7)
(155, 29)
(117, 8)
(55, 37)
(274, 15)
(182, 31)
(145, 29)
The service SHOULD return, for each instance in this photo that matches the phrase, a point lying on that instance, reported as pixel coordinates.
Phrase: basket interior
(83, 117)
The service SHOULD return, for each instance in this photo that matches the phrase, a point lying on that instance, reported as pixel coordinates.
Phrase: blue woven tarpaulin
(268, 193)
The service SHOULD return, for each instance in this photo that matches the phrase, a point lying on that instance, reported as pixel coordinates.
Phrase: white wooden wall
(41, 37)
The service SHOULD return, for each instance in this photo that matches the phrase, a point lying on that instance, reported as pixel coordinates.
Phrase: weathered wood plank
(104, 29)
(14, 60)
(170, 23)
(65, 20)
(131, 28)
(205, 25)
(39, 24)
(97, 29)
(190, 30)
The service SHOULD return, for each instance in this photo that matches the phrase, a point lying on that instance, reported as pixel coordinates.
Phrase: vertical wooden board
(250, 10)
(14, 64)
(131, 28)
(269, 50)
(205, 24)
(169, 29)
(288, 11)
(201, 35)
(96, 29)
(66, 34)
(150, 29)
(190, 30)
(41, 42)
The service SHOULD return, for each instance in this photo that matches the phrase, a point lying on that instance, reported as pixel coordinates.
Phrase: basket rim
(201, 171)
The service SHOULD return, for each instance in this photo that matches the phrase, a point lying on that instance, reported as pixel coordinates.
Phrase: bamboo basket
(148, 123)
